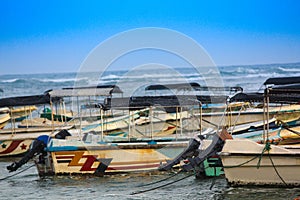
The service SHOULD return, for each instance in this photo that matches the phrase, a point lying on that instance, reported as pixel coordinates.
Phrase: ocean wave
(249, 77)
(288, 69)
(46, 80)
(57, 80)
(156, 75)
(111, 76)
(247, 70)
(10, 80)
(256, 75)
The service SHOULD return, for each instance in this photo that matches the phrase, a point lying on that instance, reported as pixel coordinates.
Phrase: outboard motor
(37, 147)
(191, 151)
(195, 156)
(62, 134)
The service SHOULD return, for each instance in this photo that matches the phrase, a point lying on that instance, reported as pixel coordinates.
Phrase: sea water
(28, 185)
(250, 78)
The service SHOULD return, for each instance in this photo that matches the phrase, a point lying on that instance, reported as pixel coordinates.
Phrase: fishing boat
(14, 140)
(101, 154)
(246, 162)
(104, 156)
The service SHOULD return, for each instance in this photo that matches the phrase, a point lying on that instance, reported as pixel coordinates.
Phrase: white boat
(246, 162)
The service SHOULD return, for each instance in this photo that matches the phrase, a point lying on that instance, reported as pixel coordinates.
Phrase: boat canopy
(247, 97)
(164, 101)
(282, 80)
(27, 100)
(213, 88)
(286, 92)
(85, 91)
(175, 86)
(192, 86)
(286, 88)
(115, 88)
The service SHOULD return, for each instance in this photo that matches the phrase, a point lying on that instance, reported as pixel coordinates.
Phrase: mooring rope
(17, 173)
(295, 132)
(160, 186)
(267, 147)
(277, 170)
(142, 191)
(287, 127)
(239, 165)
(152, 183)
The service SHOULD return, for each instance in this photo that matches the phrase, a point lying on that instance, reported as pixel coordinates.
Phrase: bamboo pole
(102, 128)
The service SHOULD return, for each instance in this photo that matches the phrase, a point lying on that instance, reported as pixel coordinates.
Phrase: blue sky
(56, 36)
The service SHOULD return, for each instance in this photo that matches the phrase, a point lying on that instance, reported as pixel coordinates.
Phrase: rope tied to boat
(2, 179)
(277, 170)
(160, 186)
(159, 181)
(267, 148)
(288, 127)
(169, 183)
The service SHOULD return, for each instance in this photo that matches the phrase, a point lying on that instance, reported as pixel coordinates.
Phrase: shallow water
(28, 185)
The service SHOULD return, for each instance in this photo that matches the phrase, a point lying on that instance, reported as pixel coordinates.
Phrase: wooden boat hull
(4, 119)
(126, 157)
(258, 136)
(18, 143)
(14, 147)
(240, 158)
(42, 123)
(20, 113)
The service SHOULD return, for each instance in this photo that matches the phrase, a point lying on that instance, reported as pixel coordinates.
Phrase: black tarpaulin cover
(282, 80)
(26, 100)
